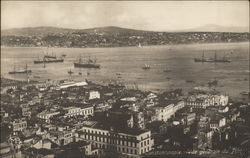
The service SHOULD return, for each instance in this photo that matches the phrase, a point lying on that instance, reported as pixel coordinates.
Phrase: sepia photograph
(125, 79)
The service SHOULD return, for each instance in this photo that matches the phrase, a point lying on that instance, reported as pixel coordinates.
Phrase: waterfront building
(72, 84)
(204, 100)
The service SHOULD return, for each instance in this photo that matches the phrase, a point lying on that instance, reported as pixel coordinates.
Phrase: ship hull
(20, 72)
(48, 61)
(210, 60)
(80, 65)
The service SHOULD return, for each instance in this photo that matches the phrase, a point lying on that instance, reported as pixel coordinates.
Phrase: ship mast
(215, 57)
(44, 62)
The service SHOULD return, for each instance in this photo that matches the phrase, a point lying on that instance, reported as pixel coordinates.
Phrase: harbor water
(125, 65)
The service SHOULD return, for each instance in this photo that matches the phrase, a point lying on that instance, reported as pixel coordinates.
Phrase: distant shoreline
(244, 42)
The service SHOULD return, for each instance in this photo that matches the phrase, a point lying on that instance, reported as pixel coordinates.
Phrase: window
(141, 151)
(148, 142)
(141, 144)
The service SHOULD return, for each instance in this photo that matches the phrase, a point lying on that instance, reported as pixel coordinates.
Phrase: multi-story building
(163, 113)
(46, 115)
(204, 100)
(76, 111)
(205, 138)
(94, 95)
(179, 105)
(217, 121)
(26, 111)
(130, 142)
(19, 124)
(190, 118)
(62, 137)
(139, 120)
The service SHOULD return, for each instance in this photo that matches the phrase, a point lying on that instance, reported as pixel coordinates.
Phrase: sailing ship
(215, 59)
(139, 45)
(146, 67)
(48, 59)
(90, 63)
(21, 71)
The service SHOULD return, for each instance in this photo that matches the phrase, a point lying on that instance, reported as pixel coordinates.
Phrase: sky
(144, 15)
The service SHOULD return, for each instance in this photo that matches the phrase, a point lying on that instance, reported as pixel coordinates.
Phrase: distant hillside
(34, 31)
(217, 28)
(42, 31)
(109, 37)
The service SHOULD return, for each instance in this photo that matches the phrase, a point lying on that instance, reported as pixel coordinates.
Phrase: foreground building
(130, 142)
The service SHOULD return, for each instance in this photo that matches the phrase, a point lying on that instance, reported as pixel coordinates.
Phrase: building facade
(19, 124)
(131, 145)
(76, 111)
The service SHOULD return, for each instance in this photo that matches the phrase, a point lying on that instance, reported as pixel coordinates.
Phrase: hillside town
(116, 37)
(55, 119)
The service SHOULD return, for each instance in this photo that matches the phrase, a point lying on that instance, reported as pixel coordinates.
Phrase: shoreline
(188, 44)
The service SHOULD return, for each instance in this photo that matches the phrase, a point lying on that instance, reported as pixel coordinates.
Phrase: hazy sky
(159, 15)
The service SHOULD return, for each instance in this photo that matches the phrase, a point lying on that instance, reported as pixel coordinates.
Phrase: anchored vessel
(49, 59)
(90, 63)
(20, 71)
(215, 59)
(146, 67)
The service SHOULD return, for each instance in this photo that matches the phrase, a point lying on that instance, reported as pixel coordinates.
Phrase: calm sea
(125, 64)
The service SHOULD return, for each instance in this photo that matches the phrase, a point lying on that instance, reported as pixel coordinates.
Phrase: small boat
(36, 76)
(166, 70)
(64, 55)
(244, 93)
(70, 72)
(189, 81)
(146, 67)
